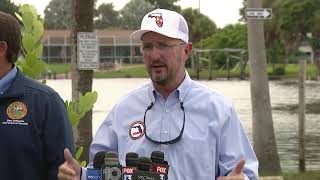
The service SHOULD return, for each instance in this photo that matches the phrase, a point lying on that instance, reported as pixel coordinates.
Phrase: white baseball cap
(165, 22)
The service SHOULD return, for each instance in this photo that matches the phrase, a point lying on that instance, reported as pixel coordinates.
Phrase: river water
(283, 95)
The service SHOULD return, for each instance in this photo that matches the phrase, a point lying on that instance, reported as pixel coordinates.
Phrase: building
(114, 45)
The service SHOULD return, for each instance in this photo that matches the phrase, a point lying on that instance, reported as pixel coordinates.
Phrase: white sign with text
(88, 51)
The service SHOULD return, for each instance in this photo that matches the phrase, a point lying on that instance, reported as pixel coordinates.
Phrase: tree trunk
(263, 133)
(82, 79)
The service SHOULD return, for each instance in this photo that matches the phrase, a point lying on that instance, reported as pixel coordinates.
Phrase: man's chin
(159, 79)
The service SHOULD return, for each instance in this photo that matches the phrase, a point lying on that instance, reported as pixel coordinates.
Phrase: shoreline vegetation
(276, 72)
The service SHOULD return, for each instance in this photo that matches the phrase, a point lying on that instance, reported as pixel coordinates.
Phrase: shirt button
(167, 110)
(165, 132)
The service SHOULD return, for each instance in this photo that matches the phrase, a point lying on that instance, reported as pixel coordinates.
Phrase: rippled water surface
(283, 95)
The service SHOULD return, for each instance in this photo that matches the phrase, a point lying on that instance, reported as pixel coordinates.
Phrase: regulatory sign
(258, 13)
(88, 51)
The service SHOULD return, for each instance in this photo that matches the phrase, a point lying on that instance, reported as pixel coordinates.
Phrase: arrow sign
(258, 13)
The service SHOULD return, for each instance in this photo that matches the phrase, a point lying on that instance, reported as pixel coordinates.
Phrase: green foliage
(200, 25)
(278, 71)
(231, 36)
(310, 175)
(32, 32)
(106, 16)
(8, 7)
(76, 110)
(32, 66)
(78, 155)
(165, 4)
(133, 12)
(57, 14)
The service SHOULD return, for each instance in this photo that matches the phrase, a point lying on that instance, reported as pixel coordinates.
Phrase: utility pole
(264, 141)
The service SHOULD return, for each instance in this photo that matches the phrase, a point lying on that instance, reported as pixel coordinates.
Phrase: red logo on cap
(158, 17)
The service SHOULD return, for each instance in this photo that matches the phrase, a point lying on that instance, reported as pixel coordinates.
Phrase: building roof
(106, 37)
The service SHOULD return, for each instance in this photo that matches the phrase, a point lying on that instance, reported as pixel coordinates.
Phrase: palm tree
(263, 133)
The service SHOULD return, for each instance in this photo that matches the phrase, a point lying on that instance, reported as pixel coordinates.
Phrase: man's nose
(155, 53)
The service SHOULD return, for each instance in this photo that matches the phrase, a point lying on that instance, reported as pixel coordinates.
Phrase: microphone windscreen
(131, 159)
(111, 159)
(144, 164)
(157, 157)
(98, 159)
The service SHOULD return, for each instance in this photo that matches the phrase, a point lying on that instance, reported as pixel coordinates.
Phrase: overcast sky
(222, 12)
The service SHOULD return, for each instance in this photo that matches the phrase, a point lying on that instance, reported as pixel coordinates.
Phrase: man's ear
(187, 50)
(3, 48)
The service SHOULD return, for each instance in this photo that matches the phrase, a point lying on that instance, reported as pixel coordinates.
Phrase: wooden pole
(210, 66)
(302, 77)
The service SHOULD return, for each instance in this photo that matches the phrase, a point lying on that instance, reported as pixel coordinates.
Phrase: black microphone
(160, 166)
(95, 173)
(98, 159)
(131, 165)
(143, 172)
(111, 169)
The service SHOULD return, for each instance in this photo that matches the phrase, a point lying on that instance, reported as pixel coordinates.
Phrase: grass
(138, 71)
(59, 68)
(309, 175)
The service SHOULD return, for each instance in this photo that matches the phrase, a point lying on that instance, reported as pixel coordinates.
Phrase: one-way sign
(258, 13)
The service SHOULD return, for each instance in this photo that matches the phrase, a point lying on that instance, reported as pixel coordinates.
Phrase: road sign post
(258, 13)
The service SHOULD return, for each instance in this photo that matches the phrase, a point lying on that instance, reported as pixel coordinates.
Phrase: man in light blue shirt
(196, 128)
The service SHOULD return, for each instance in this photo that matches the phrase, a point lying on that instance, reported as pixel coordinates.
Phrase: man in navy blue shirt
(34, 125)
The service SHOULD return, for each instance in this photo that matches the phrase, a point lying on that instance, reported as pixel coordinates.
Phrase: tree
(106, 16)
(315, 40)
(231, 36)
(82, 79)
(264, 141)
(57, 15)
(165, 4)
(8, 7)
(133, 12)
(200, 25)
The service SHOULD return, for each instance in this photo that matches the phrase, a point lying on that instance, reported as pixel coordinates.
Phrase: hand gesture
(70, 169)
(237, 172)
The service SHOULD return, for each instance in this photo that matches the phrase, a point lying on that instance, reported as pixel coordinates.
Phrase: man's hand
(237, 172)
(70, 169)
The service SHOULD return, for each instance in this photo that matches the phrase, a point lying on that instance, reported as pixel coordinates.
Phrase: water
(282, 95)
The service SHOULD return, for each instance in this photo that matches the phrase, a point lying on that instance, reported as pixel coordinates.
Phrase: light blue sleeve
(105, 138)
(235, 145)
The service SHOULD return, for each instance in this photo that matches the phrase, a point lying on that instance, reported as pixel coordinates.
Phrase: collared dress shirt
(6, 81)
(213, 139)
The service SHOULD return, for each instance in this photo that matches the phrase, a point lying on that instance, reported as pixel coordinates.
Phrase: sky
(222, 12)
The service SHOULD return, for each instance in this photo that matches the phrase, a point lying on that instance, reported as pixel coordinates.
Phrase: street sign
(88, 51)
(258, 13)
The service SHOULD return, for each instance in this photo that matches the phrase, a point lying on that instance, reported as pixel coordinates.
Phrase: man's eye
(148, 46)
(163, 46)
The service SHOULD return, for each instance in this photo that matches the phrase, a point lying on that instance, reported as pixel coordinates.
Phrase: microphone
(131, 165)
(160, 166)
(95, 172)
(111, 169)
(143, 172)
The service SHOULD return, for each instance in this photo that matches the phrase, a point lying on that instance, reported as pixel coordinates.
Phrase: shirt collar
(7, 80)
(182, 91)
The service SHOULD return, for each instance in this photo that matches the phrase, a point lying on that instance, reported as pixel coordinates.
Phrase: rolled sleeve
(234, 146)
